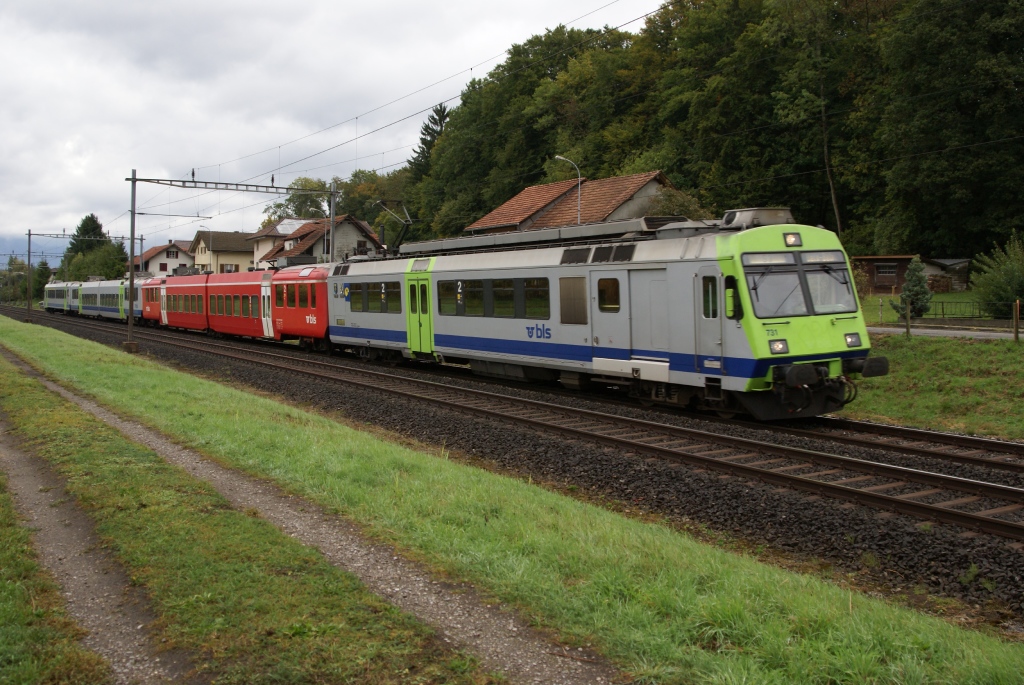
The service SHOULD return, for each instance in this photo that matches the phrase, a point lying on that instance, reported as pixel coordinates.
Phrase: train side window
(238, 305)
(608, 294)
(312, 296)
(537, 294)
(213, 305)
(424, 302)
(290, 293)
(573, 299)
(473, 297)
(255, 308)
(188, 304)
(303, 296)
(199, 301)
(375, 295)
(733, 306)
(279, 295)
(710, 291)
(355, 293)
(504, 294)
(245, 306)
(393, 295)
(447, 298)
(220, 305)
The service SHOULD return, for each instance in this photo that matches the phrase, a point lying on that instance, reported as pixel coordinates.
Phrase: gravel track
(883, 549)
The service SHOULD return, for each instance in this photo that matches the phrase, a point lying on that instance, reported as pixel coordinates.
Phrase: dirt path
(499, 638)
(95, 588)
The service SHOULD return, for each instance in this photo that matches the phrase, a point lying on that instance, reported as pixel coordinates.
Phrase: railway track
(977, 505)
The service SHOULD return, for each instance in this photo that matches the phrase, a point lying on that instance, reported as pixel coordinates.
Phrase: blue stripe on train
(734, 366)
(381, 334)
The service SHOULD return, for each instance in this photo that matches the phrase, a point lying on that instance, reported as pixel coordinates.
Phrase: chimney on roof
(170, 242)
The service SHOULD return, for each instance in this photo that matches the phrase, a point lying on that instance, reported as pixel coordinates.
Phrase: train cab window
(537, 294)
(608, 294)
(245, 306)
(290, 295)
(279, 295)
(503, 293)
(375, 297)
(573, 299)
(303, 296)
(393, 297)
(355, 294)
(220, 305)
(472, 297)
(238, 305)
(447, 298)
(709, 289)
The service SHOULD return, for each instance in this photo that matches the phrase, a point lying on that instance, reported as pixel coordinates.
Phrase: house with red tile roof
(162, 260)
(556, 204)
(306, 241)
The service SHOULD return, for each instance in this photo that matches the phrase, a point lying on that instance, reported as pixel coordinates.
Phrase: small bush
(999, 280)
(915, 290)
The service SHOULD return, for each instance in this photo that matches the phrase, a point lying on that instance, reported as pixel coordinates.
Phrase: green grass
(663, 606)
(38, 642)
(964, 385)
(255, 605)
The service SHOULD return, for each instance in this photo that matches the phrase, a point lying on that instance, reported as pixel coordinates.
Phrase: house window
(163, 266)
(172, 254)
(888, 270)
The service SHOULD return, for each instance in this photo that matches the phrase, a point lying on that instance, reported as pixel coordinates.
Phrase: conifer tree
(915, 290)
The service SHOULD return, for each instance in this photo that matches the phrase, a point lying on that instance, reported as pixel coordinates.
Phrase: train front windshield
(799, 283)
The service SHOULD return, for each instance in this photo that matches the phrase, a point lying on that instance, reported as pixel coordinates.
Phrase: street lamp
(579, 183)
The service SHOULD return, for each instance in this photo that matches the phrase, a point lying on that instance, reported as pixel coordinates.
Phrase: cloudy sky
(91, 90)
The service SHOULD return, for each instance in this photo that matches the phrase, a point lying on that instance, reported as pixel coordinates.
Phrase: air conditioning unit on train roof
(742, 219)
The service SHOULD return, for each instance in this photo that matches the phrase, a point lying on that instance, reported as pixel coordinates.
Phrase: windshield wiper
(761, 278)
(832, 272)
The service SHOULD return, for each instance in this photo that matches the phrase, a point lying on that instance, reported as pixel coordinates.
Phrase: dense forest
(897, 123)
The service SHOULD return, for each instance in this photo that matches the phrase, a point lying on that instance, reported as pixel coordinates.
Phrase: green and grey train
(749, 314)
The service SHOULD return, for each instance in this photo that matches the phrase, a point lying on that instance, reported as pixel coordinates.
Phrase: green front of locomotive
(794, 295)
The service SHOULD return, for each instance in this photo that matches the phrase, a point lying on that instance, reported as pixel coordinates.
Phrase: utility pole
(329, 242)
(28, 282)
(130, 346)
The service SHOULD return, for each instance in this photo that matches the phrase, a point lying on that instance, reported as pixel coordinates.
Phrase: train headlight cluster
(778, 347)
(853, 339)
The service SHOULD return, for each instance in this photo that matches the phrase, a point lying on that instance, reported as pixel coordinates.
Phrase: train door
(266, 286)
(707, 289)
(649, 314)
(609, 314)
(418, 322)
(163, 304)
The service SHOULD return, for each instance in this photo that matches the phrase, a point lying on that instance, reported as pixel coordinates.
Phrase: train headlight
(853, 339)
(793, 239)
(778, 347)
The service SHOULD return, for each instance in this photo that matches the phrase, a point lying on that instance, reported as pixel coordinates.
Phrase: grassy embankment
(38, 642)
(963, 385)
(659, 603)
(255, 605)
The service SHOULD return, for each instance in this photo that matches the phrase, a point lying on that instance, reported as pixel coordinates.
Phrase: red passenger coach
(151, 301)
(300, 304)
(234, 303)
(182, 304)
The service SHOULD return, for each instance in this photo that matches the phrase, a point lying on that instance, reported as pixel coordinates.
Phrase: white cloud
(91, 90)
